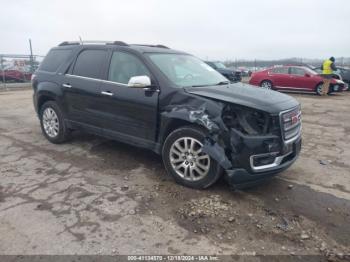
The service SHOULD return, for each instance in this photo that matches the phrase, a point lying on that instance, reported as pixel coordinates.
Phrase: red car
(294, 78)
(15, 75)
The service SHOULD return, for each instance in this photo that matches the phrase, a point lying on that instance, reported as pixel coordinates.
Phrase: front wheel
(186, 162)
(266, 84)
(319, 89)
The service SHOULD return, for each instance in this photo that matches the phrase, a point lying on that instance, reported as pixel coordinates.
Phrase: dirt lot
(95, 196)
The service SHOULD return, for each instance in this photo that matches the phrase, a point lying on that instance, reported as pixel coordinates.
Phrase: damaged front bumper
(249, 144)
(259, 167)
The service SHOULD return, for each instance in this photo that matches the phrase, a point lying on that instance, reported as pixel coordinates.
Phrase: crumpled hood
(269, 101)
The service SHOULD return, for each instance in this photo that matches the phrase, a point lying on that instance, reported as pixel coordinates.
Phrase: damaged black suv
(169, 102)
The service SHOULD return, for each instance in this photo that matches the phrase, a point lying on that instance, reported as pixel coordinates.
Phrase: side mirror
(139, 81)
(307, 75)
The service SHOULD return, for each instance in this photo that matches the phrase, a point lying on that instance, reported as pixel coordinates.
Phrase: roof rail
(121, 43)
(93, 42)
(159, 46)
(162, 46)
(68, 43)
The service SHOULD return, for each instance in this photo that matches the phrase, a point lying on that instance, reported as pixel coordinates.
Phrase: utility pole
(255, 65)
(31, 57)
(3, 71)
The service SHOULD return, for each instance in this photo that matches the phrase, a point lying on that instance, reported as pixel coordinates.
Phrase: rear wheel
(52, 123)
(186, 162)
(266, 84)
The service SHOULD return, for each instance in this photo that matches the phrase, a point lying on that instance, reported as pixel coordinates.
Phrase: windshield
(186, 70)
(219, 65)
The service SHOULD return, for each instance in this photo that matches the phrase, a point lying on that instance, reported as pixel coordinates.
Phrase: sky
(209, 29)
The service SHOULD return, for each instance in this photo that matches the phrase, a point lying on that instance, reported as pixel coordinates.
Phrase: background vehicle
(345, 74)
(342, 73)
(245, 72)
(15, 76)
(233, 76)
(293, 78)
(169, 102)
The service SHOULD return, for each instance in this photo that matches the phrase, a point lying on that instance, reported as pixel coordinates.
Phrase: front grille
(291, 123)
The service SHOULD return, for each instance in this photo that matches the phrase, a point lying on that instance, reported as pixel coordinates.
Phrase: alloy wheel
(50, 122)
(266, 85)
(188, 160)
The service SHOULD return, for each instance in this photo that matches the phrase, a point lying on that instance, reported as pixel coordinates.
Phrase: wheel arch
(318, 83)
(171, 124)
(43, 99)
(47, 91)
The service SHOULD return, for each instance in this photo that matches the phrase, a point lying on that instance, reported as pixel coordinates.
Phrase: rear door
(82, 87)
(279, 76)
(129, 111)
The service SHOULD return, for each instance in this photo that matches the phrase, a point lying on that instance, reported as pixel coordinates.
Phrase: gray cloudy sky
(221, 29)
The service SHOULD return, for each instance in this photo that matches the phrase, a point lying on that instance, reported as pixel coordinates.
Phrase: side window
(89, 63)
(54, 59)
(124, 66)
(280, 70)
(297, 71)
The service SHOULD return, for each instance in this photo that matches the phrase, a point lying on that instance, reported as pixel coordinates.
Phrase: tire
(196, 176)
(52, 123)
(266, 84)
(318, 89)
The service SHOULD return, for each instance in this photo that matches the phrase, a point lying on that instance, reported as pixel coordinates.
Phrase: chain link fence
(16, 69)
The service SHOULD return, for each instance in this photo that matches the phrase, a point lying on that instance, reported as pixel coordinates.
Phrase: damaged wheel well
(175, 124)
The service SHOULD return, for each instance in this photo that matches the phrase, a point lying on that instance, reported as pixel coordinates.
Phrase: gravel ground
(95, 196)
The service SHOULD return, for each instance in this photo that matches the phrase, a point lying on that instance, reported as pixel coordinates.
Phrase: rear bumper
(246, 177)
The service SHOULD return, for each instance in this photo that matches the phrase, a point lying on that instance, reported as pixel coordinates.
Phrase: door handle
(67, 85)
(107, 93)
(151, 89)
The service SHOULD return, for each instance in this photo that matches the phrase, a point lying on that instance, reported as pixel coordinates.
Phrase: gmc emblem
(295, 119)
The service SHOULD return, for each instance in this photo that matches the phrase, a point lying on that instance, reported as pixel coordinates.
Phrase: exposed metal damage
(228, 126)
(235, 132)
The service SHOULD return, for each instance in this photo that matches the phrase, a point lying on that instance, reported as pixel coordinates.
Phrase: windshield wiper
(222, 83)
(200, 85)
(218, 84)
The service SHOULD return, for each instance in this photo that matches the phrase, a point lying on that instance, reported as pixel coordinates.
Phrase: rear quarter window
(89, 63)
(54, 59)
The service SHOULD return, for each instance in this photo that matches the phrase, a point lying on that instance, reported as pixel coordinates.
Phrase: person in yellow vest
(327, 72)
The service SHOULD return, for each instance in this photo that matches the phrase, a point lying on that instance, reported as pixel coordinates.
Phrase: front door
(128, 111)
(299, 80)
